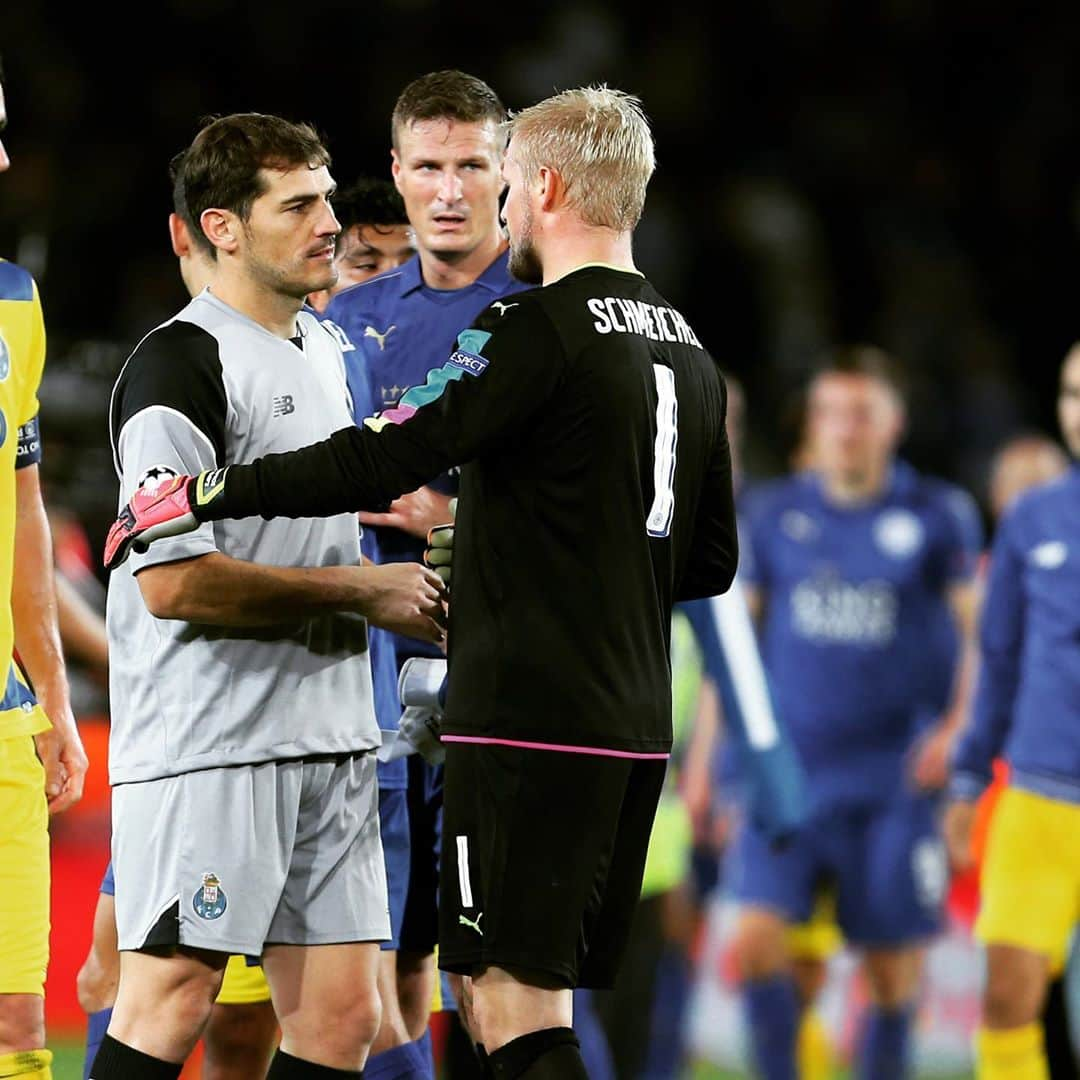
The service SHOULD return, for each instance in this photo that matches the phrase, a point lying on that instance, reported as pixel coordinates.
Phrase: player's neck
(852, 489)
(565, 254)
(456, 272)
(273, 311)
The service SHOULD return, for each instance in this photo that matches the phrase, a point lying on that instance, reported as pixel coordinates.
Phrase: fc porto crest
(210, 901)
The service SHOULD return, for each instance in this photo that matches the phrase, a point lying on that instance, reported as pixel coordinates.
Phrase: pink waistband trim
(595, 751)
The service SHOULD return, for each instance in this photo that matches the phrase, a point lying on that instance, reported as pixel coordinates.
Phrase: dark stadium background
(905, 172)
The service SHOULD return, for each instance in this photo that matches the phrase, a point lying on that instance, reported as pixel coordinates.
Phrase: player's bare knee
(96, 983)
(759, 946)
(1015, 987)
(237, 1037)
(22, 1023)
(893, 976)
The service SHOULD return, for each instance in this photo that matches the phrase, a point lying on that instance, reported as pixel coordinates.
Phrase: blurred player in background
(1027, 710)
(446, 152)
(861, 570)
(42, 761)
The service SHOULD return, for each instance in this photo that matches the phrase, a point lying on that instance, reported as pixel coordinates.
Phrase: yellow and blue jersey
(22, 358)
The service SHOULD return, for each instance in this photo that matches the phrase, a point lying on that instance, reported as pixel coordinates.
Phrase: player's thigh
(892, 875)
(607, 926)
(24, 869)
(1030, 880)
(335, 884)
(307, 984)
(201, 859)
(529, 839)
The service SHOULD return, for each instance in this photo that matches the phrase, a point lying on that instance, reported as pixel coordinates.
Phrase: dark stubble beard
(281, 281)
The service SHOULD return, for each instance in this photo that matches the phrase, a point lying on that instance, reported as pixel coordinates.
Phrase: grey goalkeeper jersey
(205, 389)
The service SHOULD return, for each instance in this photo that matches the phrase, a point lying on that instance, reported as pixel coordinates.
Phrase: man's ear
(222, 227)
(395, 169)
(179, 236)
(550, 187)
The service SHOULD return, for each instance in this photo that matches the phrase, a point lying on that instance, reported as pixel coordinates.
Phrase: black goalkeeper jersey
(595, 491)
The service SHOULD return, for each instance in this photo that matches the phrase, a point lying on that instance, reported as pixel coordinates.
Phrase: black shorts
(420, 921)
(543, 855)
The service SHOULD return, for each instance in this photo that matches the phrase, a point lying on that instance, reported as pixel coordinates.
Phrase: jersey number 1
(658, 523)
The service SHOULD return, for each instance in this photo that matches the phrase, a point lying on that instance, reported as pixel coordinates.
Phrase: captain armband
(29, 446)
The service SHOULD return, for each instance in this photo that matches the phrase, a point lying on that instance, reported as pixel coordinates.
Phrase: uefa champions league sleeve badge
(210, 901)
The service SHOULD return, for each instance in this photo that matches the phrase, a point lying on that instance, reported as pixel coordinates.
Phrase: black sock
(286, 1067)
(117, 1061)
(550, 1054)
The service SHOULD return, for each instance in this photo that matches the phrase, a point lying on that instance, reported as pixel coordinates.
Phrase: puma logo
(465, 921)
(503, 308)
(371, 332)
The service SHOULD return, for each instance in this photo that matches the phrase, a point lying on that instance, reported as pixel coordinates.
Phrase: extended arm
(491, 385)
(37, 640)
(217, 590)
(931, 765)
(82, 629)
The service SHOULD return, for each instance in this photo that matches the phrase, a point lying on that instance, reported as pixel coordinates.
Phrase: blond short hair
(599, 142)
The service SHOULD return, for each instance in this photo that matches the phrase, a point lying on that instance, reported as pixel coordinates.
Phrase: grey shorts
(230, 860)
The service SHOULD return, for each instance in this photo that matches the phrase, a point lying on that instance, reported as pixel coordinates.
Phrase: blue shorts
(394, 828)
(108, 886)
(886, 866)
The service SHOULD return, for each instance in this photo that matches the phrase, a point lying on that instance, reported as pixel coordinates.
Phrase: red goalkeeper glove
(153, 512)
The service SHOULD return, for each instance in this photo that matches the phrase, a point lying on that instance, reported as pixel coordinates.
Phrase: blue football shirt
(858, 636)
(401, 330)
(393, 775)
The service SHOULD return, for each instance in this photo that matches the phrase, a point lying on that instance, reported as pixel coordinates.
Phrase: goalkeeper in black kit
(588, 421)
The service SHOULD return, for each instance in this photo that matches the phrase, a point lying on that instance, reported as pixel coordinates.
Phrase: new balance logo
(284, 405)
(503, 308)
(464, 920)
(371, 332)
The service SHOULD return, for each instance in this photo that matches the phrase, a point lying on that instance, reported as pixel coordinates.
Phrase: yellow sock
(27, 1064)
(1012, 1054)
(813, 1050)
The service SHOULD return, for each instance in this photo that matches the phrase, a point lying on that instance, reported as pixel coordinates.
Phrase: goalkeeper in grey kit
(588, 421)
